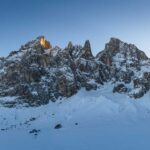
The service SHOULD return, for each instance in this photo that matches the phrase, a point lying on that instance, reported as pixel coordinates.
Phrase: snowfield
(91, 120)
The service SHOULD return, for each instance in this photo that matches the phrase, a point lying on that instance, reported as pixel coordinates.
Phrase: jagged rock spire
(87, 53)
(70, 45)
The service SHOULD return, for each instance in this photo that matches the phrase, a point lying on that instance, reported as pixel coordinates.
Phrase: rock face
(44, 43)
(130, 66)
(37, 73)
(116, 47)
(86, 52)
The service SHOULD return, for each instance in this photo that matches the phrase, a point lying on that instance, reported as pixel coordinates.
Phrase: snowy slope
(90, 120)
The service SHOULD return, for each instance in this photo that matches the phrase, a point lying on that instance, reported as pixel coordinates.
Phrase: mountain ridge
(38, 72)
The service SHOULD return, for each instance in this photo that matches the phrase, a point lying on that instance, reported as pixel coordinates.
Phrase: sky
(61, 21)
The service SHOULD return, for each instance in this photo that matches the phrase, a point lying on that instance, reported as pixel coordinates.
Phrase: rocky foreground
(38, 72)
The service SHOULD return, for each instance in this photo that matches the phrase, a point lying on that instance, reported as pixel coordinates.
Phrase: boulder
(120, 88)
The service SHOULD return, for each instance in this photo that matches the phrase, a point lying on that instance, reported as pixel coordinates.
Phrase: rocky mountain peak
(117, 49)
(113, 45)
(78, 51)
(70, 45)
(86, 51)
(130, 51)
(44, 43)
(39, 43)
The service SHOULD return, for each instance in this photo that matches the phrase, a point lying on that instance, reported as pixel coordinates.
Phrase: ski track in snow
(90, 121)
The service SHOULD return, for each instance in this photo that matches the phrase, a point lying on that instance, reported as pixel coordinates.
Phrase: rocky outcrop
(40, 43)
(120, 88)
(44, 43)
(128, 65)
(38, 72)
(126, 52)
(86, 51)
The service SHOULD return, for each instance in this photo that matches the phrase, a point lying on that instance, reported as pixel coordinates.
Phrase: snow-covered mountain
(38, 72)
(90, 99)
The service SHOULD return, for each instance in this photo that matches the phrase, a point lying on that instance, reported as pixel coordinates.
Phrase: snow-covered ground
(95, 120)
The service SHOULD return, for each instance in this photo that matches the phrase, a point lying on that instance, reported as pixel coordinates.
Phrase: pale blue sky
(74, 20)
